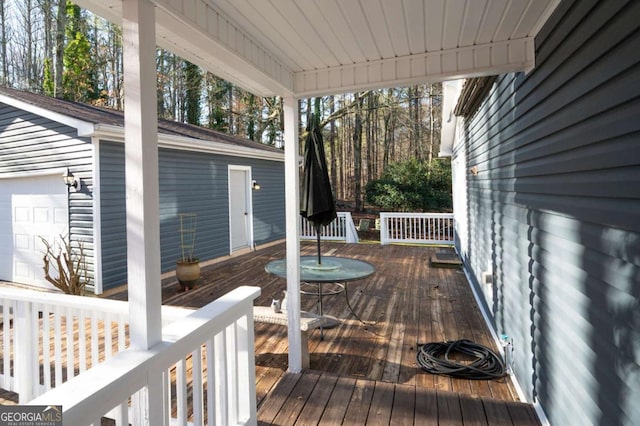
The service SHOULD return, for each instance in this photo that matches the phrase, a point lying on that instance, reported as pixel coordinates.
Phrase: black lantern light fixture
(70, 180)
(255, 185)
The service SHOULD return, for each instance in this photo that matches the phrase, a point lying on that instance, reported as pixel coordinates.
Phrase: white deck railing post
(24, 350)
(384, 226)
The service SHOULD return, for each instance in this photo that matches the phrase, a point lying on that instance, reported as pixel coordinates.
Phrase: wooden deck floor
(360, 369)
(366, 373)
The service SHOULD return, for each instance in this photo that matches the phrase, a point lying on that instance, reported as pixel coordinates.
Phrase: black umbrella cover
(317, 202)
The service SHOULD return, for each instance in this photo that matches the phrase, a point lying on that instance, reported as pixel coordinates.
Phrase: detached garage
(202, 172)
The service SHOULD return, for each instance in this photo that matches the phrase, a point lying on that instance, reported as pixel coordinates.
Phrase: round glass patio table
(332, 270)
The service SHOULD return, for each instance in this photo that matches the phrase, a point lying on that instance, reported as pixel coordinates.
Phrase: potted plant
(188, 266)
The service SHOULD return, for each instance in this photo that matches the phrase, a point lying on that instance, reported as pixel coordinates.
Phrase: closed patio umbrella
(317, 203)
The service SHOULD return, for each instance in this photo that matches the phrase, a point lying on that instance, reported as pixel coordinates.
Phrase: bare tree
(61, 22)
(4, 78)
(357, 152)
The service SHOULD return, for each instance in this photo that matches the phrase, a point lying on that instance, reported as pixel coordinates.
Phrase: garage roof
(96, 121)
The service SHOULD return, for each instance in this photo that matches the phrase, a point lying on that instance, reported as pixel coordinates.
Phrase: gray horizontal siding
(31, 143)
(190, 182)
(555, 208)
(268, 202)
(113, 226)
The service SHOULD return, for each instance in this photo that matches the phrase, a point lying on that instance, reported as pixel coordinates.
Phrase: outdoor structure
(202, 172)
(546, 173)
(546, 170)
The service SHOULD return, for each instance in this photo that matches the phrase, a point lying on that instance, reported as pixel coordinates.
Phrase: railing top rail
(101, 388)
(406, 214)
(65, 300)
(86, 303)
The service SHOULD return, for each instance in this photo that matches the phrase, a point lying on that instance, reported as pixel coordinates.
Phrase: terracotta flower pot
(188, 273)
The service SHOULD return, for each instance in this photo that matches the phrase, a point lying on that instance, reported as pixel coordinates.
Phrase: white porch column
(142, 192)
(292, 197)
(141, 168)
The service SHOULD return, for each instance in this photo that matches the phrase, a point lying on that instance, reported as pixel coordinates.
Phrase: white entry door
(30, 208)
(240, 223)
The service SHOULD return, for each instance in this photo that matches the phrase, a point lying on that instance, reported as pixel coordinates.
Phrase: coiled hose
(434, 358)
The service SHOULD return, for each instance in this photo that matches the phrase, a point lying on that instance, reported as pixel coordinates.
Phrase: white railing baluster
(7, 315)
(46, 346)
(166, 397)
(417, 228)
(246, 371)
(23, 361)
(82, 341)
(196, 385)
(95, 339)
(221, 368)
(232, 371)
(122, 334)
(181, 393)
(211, 383)
(69, 346)
(57, 346)
(108, 337)
(121, 414)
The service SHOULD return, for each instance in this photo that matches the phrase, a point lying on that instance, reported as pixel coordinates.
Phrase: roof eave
(116, 134)
(84, 128)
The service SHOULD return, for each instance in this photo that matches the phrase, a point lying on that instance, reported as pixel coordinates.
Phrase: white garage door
(30, 208)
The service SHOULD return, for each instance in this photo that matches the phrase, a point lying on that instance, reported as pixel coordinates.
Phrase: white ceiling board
(320, 22)
(303, 47)
(361, 28)
(473, 17)
(511, 19)
(414, 15)
(454, 13)
(394, 15)
(374, 13)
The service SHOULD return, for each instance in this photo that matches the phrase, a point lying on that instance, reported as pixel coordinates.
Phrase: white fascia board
(204, 36)
(464, 62)
(84, 128)
(116, 134)
(450, 94)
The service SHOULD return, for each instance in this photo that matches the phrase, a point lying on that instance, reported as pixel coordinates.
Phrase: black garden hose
(487, 365)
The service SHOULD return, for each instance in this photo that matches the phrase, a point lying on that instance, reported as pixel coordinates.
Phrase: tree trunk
(357, 153)
(368, 132)
(332, 145)
(230, 107)
(431, 124)
(61, 22)
(4, 78)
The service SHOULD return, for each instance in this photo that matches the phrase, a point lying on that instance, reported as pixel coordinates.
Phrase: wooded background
(56, 48)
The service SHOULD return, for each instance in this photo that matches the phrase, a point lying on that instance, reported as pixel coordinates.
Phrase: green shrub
(412, 186)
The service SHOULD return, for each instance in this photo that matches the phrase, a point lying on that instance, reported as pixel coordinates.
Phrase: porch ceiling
(313, 47)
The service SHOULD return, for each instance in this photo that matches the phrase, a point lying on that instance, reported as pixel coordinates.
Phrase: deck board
(406, 302)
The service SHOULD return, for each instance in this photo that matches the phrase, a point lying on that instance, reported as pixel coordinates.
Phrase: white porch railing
(417, 228)
(208, 355)
(49, 338)
(341, 229)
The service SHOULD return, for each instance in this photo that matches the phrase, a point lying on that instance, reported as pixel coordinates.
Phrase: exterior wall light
(70, 180)
(255, 185)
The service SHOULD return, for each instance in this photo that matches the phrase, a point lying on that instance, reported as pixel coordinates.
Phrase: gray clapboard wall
(31, 143)
(190, 182)
(555, 209)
